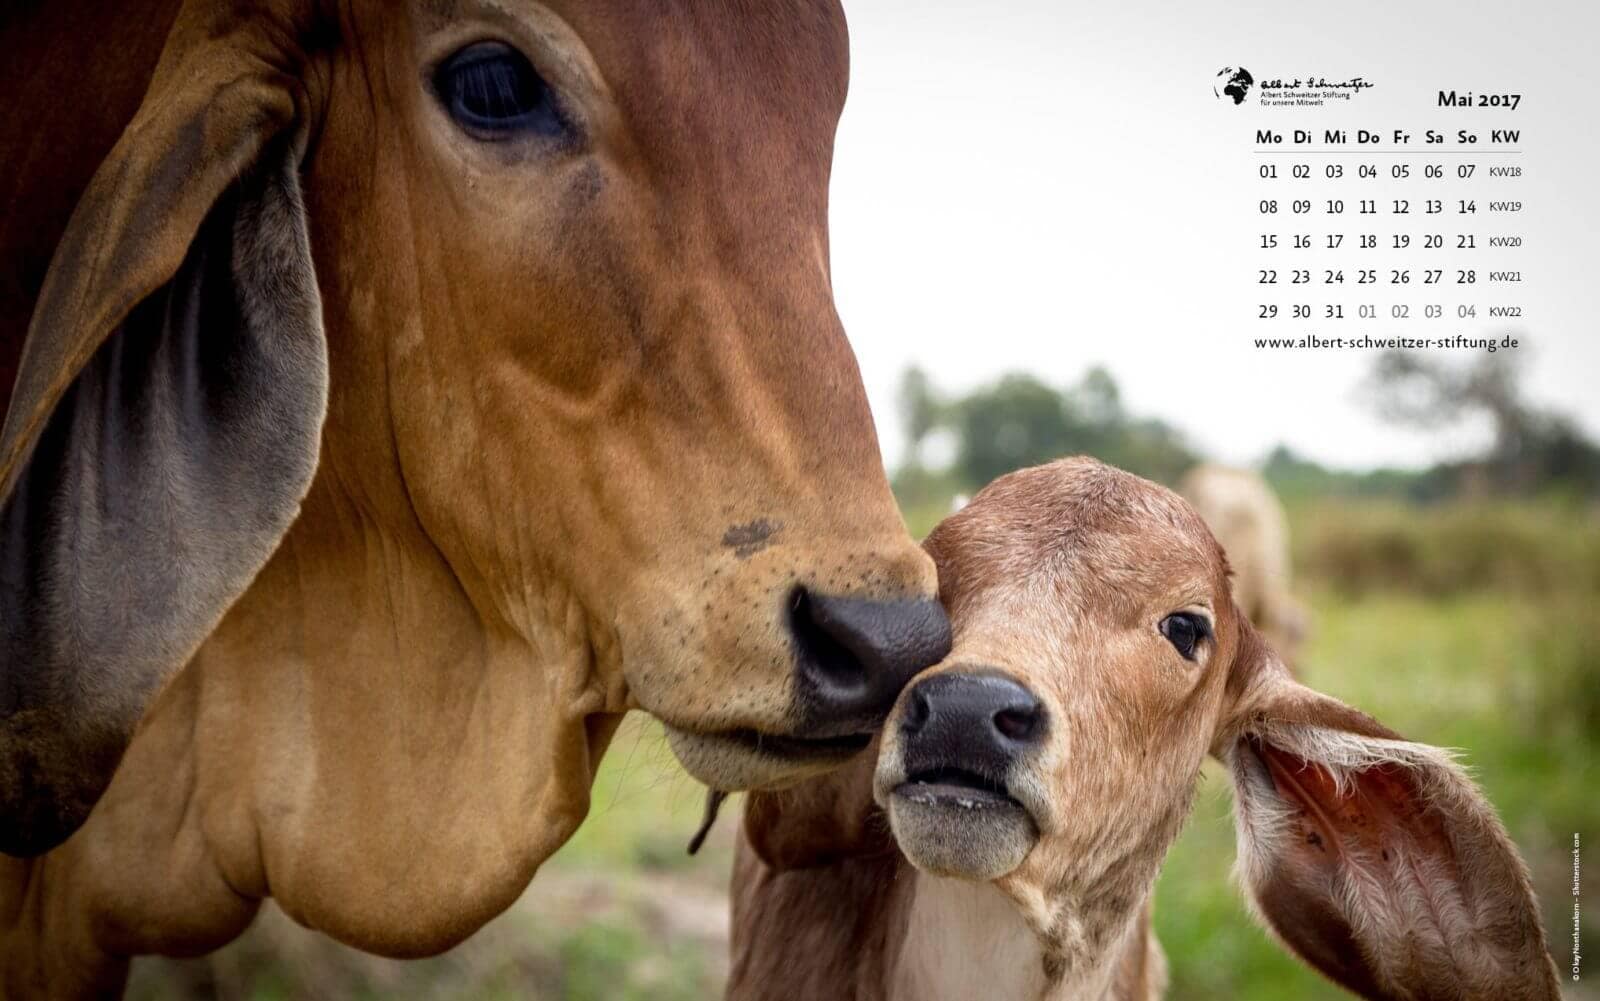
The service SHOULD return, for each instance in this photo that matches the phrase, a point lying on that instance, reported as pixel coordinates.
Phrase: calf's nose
(854, 655)
(978, 722)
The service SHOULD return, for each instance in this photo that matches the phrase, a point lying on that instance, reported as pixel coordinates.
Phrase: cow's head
(1098, 657)
(553, 274)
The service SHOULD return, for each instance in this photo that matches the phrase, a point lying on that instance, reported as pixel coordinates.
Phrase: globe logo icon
(1233, 83)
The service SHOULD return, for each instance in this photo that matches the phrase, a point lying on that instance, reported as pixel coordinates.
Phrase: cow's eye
(494, 92)
(1185, 630)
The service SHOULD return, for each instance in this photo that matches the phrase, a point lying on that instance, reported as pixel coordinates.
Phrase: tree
(1096, 400)
(1020, 421)
(1017, 422)
(920, 411)
(1531, 449)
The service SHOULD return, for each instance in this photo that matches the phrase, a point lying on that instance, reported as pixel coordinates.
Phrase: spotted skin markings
(750, 538)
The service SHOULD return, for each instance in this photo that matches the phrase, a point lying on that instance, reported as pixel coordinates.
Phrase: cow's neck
(969, 940)
(363, 690)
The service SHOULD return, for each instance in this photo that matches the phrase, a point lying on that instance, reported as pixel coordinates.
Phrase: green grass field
(1507, 676)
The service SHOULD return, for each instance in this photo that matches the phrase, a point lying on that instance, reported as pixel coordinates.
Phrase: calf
(1033, 781)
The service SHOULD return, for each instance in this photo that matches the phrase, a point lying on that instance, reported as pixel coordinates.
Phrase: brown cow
(1033, 782)
(433, 383)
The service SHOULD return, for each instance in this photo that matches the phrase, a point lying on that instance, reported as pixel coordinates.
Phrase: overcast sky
(1043, 186)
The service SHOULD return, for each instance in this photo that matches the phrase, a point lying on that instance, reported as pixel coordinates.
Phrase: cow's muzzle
(854, 655)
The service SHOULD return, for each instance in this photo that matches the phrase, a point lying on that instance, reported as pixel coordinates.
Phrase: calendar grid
(1421, 250)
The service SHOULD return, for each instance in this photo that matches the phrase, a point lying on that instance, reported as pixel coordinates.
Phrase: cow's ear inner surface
(156, 488)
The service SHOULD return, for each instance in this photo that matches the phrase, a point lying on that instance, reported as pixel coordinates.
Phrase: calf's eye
(492, 90)
(1185, 630)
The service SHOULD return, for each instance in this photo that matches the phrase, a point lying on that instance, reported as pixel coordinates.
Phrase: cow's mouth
(747, 758)
(952, 821)
(956, 787)
(800, 748)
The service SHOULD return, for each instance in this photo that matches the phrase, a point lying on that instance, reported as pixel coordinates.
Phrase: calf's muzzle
(977, 723)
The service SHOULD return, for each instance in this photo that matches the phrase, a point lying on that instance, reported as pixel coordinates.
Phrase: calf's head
(540, 292)
(1098, 658)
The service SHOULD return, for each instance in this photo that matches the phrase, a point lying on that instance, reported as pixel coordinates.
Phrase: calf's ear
(820, 820)
(164, 425)
(1375, 859)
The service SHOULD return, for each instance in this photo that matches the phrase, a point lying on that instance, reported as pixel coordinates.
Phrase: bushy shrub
(1520, 547)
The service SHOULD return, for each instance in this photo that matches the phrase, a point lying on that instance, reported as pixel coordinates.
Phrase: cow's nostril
(854, 655)
(917, 712)
(828, 661)
(1018, 722)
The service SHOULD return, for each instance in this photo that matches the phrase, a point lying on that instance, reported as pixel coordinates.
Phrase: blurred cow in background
(1248, 519)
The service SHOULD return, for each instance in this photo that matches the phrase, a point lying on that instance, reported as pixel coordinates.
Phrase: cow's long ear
(164, 426)
(1375, 859)
(821, 820)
